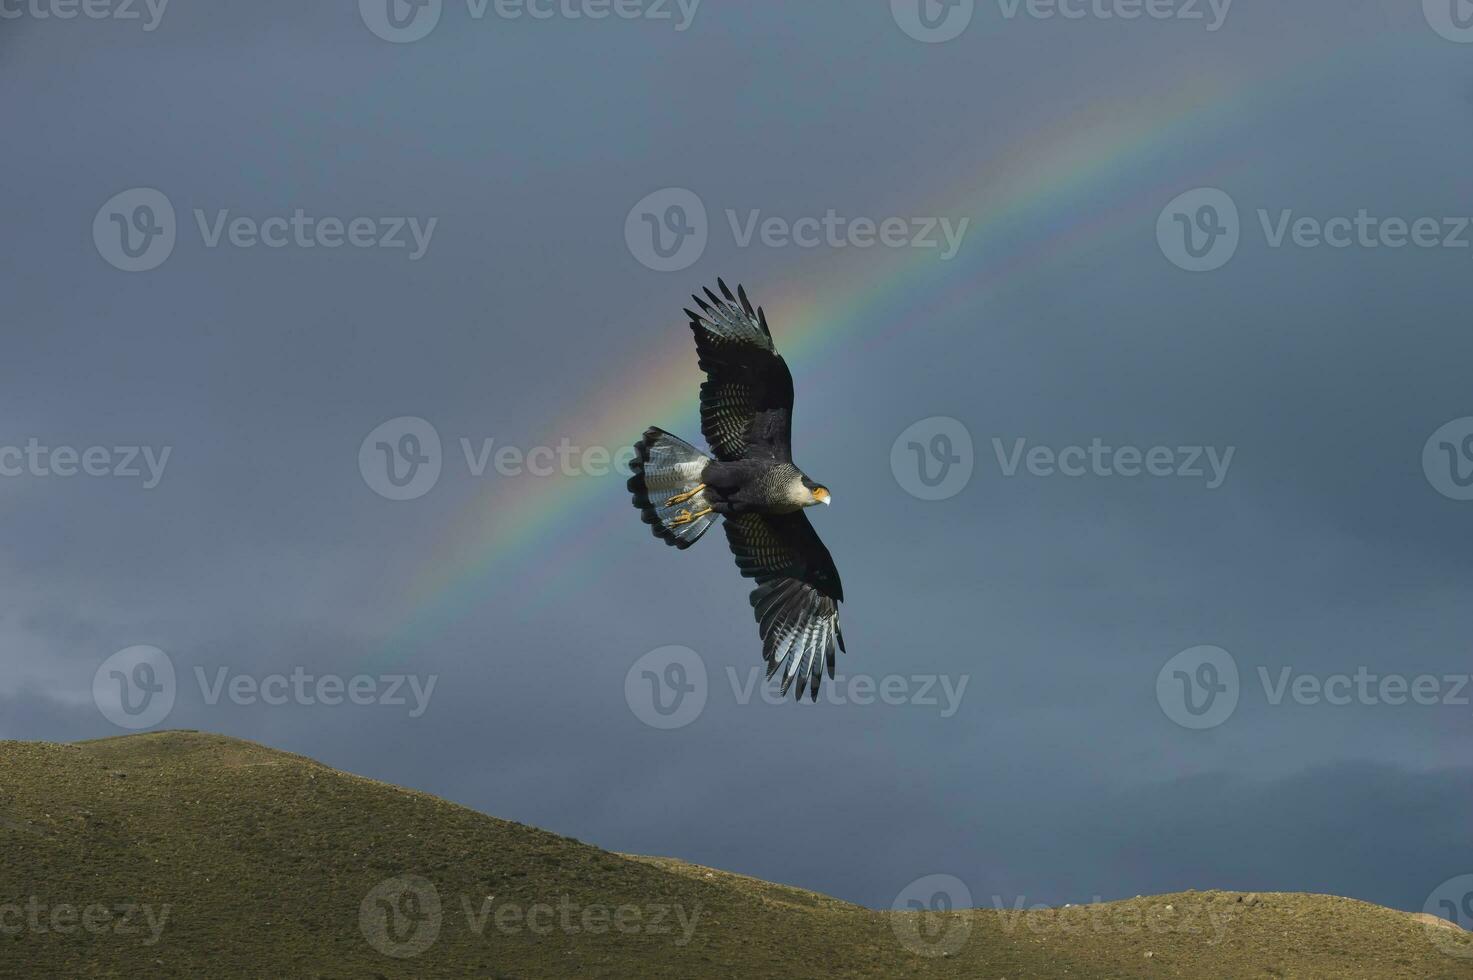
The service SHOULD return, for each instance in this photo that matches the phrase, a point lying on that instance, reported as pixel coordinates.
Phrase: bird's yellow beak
(821, 494)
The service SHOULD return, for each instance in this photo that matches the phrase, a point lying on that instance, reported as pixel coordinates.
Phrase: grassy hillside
(181, 854)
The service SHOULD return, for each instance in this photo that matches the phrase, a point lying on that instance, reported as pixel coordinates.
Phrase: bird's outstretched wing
(797, 596)
(747, 398)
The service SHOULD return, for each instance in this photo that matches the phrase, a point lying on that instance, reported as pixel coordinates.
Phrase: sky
(1134, 351)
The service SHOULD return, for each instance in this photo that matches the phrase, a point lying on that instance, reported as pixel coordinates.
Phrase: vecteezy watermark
(137, 688)
(149, 13)
(1200, 230)
(940, 691)
(145, 463)
(667, 687)
(401, 21)
(567, 458)
(935, 21)
(1364, 687)
(402, 459)
(1124, 918)
(306, 689)
(1363, 230)
(931, 915)
(1212, 13)
(403, 917)
(839, 231)
(933, 458)
(668, 230)
(136, 230)
(1451, 19)
(1447, 459)
(1101, 460)
(406, 21)
(38, 916)
(1199, 688)
(1451, 904)
(569, 918)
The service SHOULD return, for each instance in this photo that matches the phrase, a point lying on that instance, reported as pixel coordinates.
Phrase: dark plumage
(751, 481)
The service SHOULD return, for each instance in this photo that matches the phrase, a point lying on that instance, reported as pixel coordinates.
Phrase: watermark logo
(835, 230)
(1207, 463)
(667, 230)
(401, 917)
(1198, 688)
(932, 21)
(135, 230)
(933, 459)
(94, 919)
(1452, 902)
(1447, 459)
(667, 687)
(401, 21)
(1452, 19)
(1123, 918)
(1364, 687)
(150, 12)
(1199, 231)
(299, 229)
(940, 691)
(406, 21)
(1362, 230)
(411, 691)
(401, 458)
(138, 687)
(135, 688)
(1212, 12)
(565, 459)
(144, 463)
(929, 916)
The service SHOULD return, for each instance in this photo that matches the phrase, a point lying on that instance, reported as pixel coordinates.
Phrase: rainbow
(1045, 191)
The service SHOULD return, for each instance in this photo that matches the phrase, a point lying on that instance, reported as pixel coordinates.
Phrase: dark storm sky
(1056, 600)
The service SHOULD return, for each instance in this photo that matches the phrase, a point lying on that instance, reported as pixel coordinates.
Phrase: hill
(181, 854)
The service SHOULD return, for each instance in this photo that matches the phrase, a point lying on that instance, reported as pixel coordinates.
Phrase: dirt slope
(180, 854)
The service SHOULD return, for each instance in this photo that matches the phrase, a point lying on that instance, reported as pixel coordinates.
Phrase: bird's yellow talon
(685, 516)
(681, 498)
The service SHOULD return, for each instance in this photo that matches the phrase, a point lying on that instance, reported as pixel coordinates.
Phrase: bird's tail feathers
(667, 472)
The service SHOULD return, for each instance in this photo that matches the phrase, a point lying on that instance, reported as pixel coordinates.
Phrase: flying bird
(750, 480)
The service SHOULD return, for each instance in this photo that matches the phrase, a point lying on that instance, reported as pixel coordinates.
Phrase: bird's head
(817, 493)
